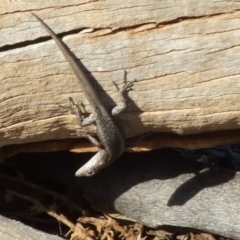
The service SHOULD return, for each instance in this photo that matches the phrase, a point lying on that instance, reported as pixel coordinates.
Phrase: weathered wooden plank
(14, 230)
(184, 57)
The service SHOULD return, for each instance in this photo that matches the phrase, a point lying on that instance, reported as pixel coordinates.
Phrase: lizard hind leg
(79, 113)
(84, 122)
(123, 100)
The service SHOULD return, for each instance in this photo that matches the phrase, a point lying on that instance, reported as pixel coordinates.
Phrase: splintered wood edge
(152, 142)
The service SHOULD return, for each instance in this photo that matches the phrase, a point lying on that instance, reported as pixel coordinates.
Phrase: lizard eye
(89, 173)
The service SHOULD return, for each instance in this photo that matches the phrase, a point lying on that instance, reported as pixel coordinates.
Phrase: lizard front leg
(98, 161)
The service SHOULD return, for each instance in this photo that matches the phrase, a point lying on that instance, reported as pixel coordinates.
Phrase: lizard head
(99, 161)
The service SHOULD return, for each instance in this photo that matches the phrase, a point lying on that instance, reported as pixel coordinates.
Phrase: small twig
(75, 229)
(49, 192)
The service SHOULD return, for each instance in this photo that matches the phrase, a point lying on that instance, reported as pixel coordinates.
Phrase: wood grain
(184, 55)
(14, 230)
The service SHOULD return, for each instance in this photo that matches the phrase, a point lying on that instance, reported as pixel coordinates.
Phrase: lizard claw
(78, 112)
(128, 86)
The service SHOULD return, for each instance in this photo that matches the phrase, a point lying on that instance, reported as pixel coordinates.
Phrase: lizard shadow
(104, 98)
(103, 189)
(133, 184)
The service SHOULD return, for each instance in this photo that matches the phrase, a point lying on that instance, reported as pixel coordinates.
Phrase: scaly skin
(110, 134)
